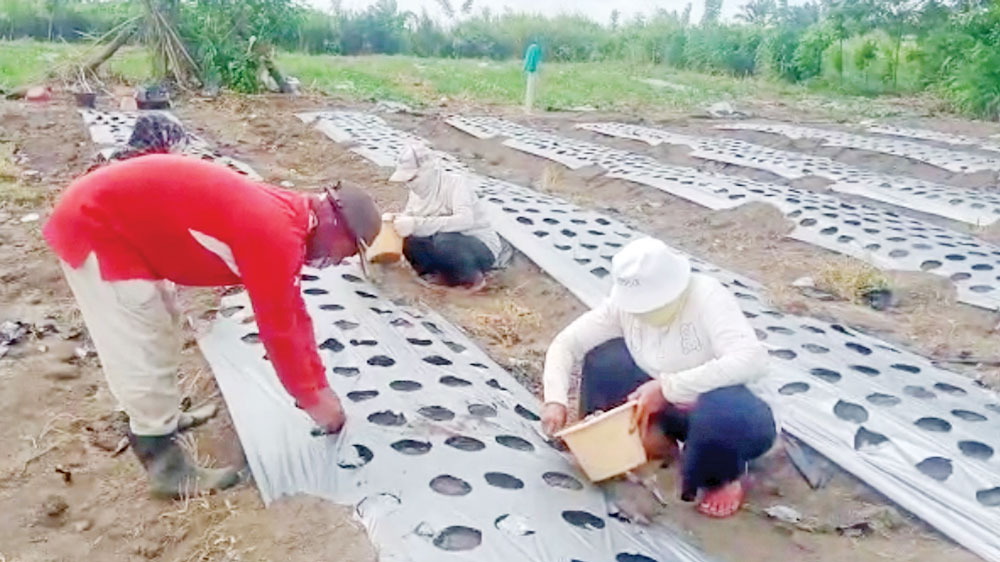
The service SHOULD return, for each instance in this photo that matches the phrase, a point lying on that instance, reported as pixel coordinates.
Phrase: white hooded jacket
(442, 201)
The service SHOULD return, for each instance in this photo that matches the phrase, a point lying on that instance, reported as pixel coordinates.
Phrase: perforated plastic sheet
(929, 135)
(441, 455)
(112, 129)
(915, 432)
(952, 160)
(923, 436)
(362, 128)
(878, 236)
(971, 206)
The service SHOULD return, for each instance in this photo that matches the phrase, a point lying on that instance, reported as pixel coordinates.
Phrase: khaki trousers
(135, 326)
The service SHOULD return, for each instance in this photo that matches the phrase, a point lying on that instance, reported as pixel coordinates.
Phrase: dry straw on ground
(849, 279)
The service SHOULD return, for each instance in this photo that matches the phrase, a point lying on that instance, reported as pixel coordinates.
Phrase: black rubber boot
(171, 474)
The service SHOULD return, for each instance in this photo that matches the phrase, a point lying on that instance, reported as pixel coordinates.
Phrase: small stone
(31, 175)
(30, 217)
(783, 513)
(54, 506)
(804, 282)
(66, 473)
(286, 184)
(52, 511)
(83, 525)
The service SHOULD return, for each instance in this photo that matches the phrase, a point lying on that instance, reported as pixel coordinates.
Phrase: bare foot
(723, 502)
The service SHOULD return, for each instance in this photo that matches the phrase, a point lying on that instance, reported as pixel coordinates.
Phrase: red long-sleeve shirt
(199, 224)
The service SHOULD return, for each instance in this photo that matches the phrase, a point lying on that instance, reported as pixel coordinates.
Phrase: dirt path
(57, 413)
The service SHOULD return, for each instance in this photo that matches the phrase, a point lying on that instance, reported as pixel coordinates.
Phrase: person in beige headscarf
(447, 235)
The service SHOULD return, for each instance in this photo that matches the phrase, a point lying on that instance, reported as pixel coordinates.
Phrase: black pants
(727, 428)
(458, 259)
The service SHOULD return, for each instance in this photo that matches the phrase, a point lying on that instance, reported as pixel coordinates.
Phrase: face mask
(422, 183)
(664, 315)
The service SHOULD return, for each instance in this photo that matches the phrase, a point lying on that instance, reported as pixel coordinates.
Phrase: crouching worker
(152, 133)
(447, 236)
(127, 232)
(679, 344)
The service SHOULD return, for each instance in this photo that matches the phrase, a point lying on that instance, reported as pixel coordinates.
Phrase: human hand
(649, 398)
(325, 409)
(553, 418)
(404, 225)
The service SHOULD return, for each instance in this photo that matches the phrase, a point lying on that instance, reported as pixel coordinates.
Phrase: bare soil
(57, 416)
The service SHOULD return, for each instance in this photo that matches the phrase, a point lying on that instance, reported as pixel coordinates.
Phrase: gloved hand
(325, 409)
(404, 225)
(553, 418)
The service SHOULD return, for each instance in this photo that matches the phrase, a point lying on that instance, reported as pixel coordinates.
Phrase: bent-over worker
(127, 232)
(679, 344)
(447, 236)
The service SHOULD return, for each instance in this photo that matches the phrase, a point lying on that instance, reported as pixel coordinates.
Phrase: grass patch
(25, 62)
(14, 193)
(598, 85)
(608, 86)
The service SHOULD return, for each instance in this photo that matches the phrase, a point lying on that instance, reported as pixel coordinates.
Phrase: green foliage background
(868, 47)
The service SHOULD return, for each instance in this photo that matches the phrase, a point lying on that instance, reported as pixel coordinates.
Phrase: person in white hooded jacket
(678, 343)
(447, 235)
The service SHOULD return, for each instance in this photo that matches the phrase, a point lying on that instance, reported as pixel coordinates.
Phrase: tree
(54, 8)
(865, 56)
(897, 18)
(467, 7)
(758, 12)
(615, 17)
(449, 12)
(686, 15)
(713, 8)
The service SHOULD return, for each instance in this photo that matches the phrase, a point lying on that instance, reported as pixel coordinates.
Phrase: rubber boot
(171, 474)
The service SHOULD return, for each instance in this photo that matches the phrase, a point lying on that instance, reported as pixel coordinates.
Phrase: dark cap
(359, 211)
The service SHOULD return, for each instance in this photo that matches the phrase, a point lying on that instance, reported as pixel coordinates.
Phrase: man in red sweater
(127, 232)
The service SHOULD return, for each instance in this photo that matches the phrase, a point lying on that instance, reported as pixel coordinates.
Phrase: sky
(599, 10)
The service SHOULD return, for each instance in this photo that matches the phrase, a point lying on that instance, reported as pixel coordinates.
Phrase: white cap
(647, 275)
(407, 163)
